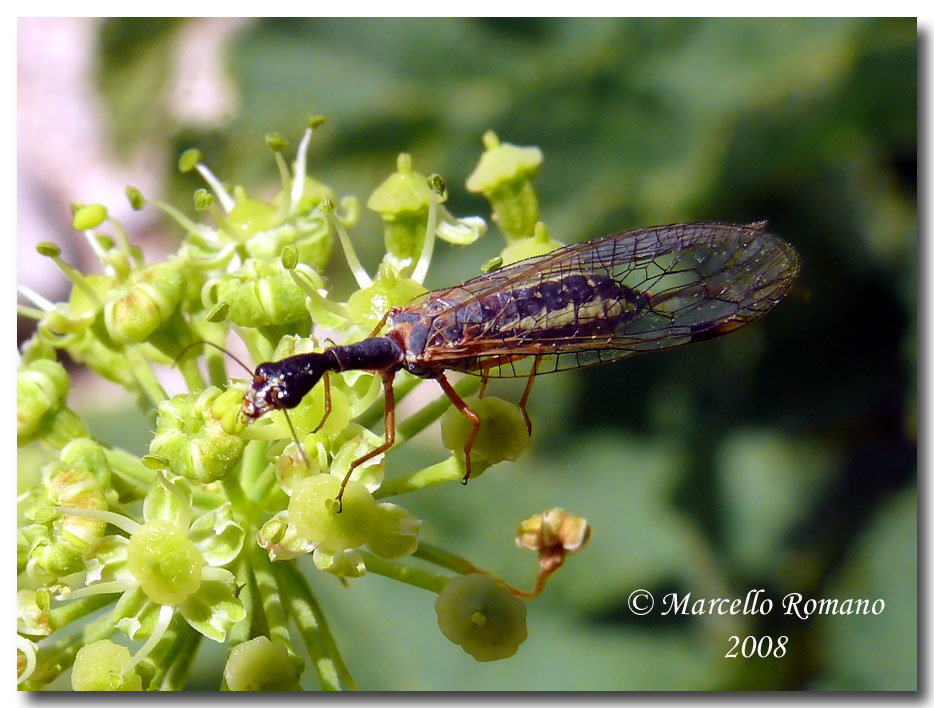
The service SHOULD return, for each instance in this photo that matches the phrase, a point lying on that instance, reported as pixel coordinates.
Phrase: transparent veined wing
(596, 301)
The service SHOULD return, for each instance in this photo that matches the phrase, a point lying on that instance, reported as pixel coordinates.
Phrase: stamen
(166, 612)
(298, 179)
(216, 186)
(121, 522)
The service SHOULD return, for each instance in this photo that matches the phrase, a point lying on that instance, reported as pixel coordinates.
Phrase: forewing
(683, 283)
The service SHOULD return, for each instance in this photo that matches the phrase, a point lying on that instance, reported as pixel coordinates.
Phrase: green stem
(145, 376)
(449, 470)
(234, 492)
(408, 574)
(129, 467)
(66, 614)
(241, 631)
(33, 313)
(217, 369)
(183, 652)
(270, 596)
(445, 559)
(305, 610)
(374, 414)
(192, 374)
(253, 468)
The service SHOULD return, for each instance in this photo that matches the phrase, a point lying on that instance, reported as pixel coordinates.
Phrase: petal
(213, 610)
(217, 535)
(135, 614)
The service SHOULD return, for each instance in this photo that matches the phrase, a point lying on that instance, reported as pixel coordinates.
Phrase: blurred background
(781, 458)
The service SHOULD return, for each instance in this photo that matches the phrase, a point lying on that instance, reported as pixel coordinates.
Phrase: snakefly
(587, 303)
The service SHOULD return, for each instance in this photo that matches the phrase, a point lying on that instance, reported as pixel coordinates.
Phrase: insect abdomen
(573, 305)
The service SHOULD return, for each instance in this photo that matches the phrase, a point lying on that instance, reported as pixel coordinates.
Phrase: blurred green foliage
(782, 457)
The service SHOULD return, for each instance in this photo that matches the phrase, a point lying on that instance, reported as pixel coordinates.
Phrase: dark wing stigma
(593, 302)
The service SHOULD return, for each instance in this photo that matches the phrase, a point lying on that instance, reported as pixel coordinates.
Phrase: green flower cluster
(197, 538)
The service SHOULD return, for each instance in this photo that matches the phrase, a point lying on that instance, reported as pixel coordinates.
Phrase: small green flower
(368, 305)
(536, 245)
(103, 666)
(165, 562)
(79, 479)
(503, 434)
(405, 200)
(481, 616)
(503, 176)
(319, 519)
(396, 532)
(191, 433)
(262, 665)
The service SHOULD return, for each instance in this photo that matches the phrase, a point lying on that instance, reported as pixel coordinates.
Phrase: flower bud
(262, 293)
(481, 616)
(281, 539)
(191, 436)
(71, 483)
(503, 434)
(503, 176)
(41, 389)
(101, 666)
(149, 302)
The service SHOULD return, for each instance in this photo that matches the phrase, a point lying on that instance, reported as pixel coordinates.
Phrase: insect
(587, 303)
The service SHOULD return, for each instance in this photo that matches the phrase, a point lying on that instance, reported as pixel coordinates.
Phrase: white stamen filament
(162, 624)
(35, 298)
(98, 251)
(121, 522)
(226, 201)
(298, 179)
(29, 651)
(421, 268)
(359, 274)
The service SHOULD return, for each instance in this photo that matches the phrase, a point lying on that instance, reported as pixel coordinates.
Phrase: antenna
(216, 346)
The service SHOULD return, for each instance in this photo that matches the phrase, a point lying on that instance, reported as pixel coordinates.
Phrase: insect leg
(389, 423)
(301, 448)
(484, 380)
(389, 313)
(327, 402)
(469, 414)
(525, 394)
